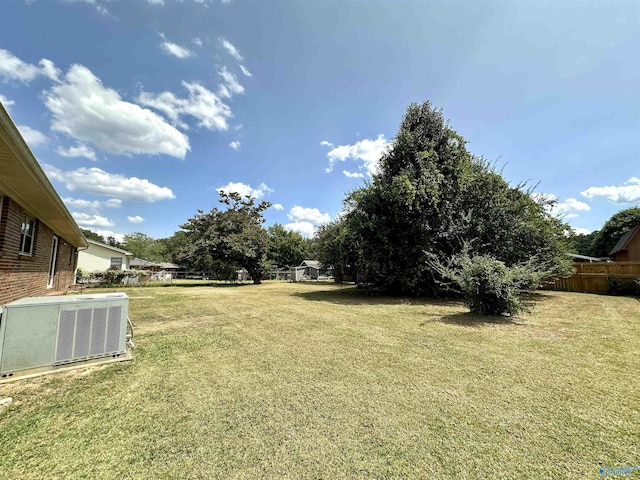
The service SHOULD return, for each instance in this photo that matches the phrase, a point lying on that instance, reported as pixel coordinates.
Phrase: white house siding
(97, 258)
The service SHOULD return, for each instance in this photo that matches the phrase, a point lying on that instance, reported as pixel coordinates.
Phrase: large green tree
(286, 248)
(234, 236)
(145, 247)
(583, 243)
(174, 247)
(614, 228)
(92, 235)
(335, 246)
(430, 200)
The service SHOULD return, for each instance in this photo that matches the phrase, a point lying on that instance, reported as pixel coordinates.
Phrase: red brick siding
(27, 276)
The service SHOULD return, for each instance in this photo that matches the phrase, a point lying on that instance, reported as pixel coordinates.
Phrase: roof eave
(37, 194)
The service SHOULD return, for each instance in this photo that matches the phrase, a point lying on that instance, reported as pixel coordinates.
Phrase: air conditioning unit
(42, 333)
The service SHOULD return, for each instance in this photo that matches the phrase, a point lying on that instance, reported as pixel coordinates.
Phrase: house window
(26, 235)
(116, 263)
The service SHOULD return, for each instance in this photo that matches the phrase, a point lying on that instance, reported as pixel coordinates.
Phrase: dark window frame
(27, 235)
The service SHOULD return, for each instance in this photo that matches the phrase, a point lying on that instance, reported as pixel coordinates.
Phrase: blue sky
(139, 110)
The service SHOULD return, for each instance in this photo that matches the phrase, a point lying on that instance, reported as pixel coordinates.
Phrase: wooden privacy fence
(594, 277)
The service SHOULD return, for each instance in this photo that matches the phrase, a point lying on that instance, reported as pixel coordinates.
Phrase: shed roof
(139, 262)
(624, 240)
(311, 263)
(23, 180)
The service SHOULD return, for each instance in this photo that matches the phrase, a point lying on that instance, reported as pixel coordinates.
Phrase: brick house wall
(28, 275)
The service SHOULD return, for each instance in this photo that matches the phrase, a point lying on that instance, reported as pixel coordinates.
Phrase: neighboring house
(100, 257)
(38, 237)
(628, 247)
(140, 264)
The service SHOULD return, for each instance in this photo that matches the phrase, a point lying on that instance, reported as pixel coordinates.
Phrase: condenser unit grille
(45, 331)
(88, 332)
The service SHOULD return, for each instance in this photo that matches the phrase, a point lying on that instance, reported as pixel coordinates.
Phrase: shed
(628, 247)
(297, 274)
(311, 269)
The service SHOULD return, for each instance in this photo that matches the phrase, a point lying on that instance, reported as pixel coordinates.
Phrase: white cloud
(566, 209)
(13, 68)
(92, 205)
(49, 70)
(574, 204)
(366, 151)
(233, 51)
(231, 84)
(77, 151)
(245, 190)
(353, 174)
(581, 231)
(197, 41)
(202, 104)
(99, 182)
(32, 136)
(87, 220)
(6, 103)
(629, 192)
(304, 228)
(312, 215)
(112, 203)
(109, 233)
(176, 50)
(96, 3)
(235, 145)
(87, 111)
(162, 2)
(245, 71)
(277, 206)
(569, 207)
(136, 219)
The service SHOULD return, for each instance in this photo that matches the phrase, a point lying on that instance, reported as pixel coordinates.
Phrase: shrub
(111, 277)
(489, 286)
(618, 286)
(82, 276)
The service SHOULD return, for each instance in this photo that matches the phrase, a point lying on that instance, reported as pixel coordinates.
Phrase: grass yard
(319, 381)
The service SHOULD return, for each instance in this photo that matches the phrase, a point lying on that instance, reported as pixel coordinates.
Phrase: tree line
(221, 241)
(435, 220)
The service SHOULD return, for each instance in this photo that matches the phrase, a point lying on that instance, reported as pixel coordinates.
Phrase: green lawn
(319, 381)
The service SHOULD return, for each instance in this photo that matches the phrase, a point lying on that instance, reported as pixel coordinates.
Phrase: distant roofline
(586, 257)
(104, 245)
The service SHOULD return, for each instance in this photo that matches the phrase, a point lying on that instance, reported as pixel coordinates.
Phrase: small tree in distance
(230, 237)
